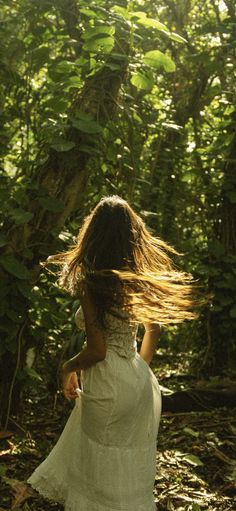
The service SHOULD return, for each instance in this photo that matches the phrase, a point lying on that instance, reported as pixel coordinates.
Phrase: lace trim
(48, 487)
(51, 489)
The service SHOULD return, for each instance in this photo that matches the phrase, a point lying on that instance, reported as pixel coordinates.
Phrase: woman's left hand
(69, 382)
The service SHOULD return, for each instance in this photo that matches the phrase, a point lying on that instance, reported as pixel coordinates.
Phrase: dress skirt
(105, 458)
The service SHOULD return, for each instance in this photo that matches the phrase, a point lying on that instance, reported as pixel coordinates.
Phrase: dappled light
(135, 100)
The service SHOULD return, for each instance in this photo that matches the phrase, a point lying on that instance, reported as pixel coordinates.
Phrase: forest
(133, 98)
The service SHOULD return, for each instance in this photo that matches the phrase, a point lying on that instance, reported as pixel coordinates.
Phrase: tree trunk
(199, 399)
(62, 177)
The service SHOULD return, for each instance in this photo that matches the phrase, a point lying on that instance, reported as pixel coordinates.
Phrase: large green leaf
(57, 105)
(142, 81)
(103, 44)
(98, 32)
(141, 18)
(14, 267)
(64, 67)
(85, 116)
(176, 37)
(88, 12)
(61, 145)
(158, 60)
(87, 126)
(74, 82)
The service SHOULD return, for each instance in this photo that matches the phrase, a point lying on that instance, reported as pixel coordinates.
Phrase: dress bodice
(119, 334)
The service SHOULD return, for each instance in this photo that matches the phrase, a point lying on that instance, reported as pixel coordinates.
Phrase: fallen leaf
(191, 432)
(21, 491)
(193, 460)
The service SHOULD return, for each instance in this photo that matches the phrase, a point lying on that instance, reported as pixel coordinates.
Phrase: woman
(105, 458)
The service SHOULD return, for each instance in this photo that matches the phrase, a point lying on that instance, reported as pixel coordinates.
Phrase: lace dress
(105, 458)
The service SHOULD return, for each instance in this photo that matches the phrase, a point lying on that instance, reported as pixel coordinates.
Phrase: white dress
(105, 458)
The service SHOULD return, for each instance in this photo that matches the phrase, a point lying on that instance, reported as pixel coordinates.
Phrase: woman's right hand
(69, 382)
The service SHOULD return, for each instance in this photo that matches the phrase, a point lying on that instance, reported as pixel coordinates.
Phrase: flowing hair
(126, 269)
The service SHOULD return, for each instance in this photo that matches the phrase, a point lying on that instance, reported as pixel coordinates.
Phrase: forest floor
(196, 451)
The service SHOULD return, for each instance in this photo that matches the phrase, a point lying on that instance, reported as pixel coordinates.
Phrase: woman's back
(119, 333)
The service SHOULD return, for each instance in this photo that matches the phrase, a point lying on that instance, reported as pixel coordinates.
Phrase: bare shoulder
(89, 308)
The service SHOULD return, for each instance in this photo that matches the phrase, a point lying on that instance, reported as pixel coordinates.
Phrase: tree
(100, 98)
(61, 181)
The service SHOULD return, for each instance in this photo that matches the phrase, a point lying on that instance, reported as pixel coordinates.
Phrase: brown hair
(124, 267)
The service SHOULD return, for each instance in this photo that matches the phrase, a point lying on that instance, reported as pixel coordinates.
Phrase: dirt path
(196, 453)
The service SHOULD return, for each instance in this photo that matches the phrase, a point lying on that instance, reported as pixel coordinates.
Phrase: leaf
(74, 81)
(229, 110)
(22, 492)
(176, 37)
(99, 32)
(51, 204)
(88, 12)
(81, 62)
(87, 126)
(142, 81)
(15, 267)
(57, 105)
(112, 66)
(40, 56)
(158, 60)
(103, 44)
(172, 126)
(195, 507)
(25, 289)
(20, 216)
(193, 460)
(64, 67)
(121, 11)
(191, 432)
(31, 372)
(85, 116)
(142, 19)
(88, 149)
(61, 145)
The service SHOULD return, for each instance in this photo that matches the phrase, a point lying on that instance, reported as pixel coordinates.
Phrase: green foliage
(159, 60)
(193, 460)
(169, 147)
(14, 267)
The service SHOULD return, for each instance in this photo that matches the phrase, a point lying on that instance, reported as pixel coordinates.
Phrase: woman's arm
(149, 342)
(95, 350)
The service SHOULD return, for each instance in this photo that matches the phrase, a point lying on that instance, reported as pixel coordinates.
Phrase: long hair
(125, 268)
